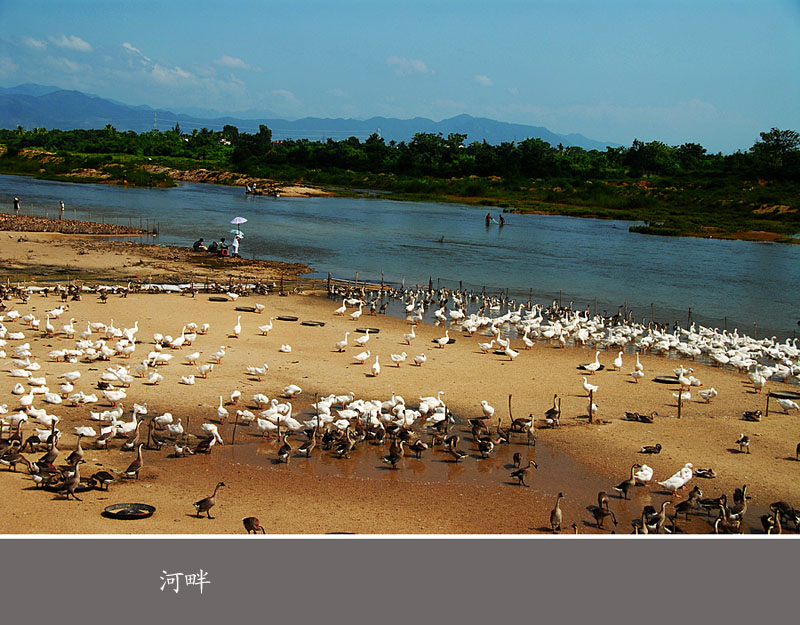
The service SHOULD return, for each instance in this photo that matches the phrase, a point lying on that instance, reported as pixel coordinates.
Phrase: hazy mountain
(32, 106)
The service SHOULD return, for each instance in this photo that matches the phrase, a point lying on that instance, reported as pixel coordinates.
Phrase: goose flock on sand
(340, 423)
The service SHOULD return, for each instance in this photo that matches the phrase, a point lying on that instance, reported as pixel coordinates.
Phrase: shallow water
(579, 482)
(733, 283)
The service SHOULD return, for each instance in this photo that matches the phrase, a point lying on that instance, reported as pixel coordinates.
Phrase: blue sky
(713, 72)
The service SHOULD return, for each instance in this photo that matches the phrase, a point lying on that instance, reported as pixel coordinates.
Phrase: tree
(778, 142)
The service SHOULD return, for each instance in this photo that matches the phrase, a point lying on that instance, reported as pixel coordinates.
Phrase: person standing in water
(488, 218)
(60, 210)
(502, 220)
(16, 206)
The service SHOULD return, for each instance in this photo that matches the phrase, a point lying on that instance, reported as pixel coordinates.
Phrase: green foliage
(675, 189)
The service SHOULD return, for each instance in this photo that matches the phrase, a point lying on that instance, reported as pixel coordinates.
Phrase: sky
(711, 72)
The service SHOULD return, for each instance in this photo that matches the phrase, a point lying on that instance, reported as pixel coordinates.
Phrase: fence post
(329, 282)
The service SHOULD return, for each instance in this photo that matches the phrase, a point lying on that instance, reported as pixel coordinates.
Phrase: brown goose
(77, 455)
(12, 457)
(723, 526)
(485, 447)
(418, 446)
(102, 478)
(307, 446)
(655, 522)
(555, 515)
(523, 471)
(102, 441)
(71, 483)
(743, 442)
(205, 505)
(627, 485)
(602, 500)
(133, 439)
(517, 459)
(135, 466)
(452, 448)
(285, 450)
(771, 522)
(601, 514)
(50, 456)
(687, 505)
(252, 524)
(503, 433)
(712, 503)
(395, 454)
(344, 448)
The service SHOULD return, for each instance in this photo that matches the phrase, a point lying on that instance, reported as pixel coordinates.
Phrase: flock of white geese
(341, 421)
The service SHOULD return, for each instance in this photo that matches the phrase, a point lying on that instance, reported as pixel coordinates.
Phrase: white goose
(355, 315)
(237, 329)
(291, 391)
(258, 372)
(444, 340)
(411, 335)
(222, 413)
(343, 343)
(362, 340)
(618, 362)
(187, 379)
(362, 357)
(376, 368)
(266, 327)
(420, 359)
(399, 358)
(593, 366)
(589, 388)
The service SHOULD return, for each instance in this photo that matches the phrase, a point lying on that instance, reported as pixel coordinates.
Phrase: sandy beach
(324, 493)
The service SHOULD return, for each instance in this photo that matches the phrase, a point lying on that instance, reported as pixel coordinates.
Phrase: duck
(555, 515)
(488, 411)
(687, 505)
(678, 480)
(626, 485)
(751, 415)
(205, 505)
(787, 405)
(520, 473)
(420, 359)
(644, 475)
(743, 442)
(706, 473)
(651, 449)
(253, 525)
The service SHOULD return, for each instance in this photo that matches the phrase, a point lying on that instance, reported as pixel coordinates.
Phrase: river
(587, 261)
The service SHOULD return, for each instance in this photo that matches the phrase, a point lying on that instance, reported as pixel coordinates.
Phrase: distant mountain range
(33, 106)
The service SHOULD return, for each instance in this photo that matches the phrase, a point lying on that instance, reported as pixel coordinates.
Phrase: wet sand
(363, 495)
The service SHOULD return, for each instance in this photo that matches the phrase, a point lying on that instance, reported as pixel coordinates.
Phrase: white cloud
(34, 43)
(135, 51)
(339, 93)
(7, 66)
(286, 95)
(483, 80)
(233, 62)
(169, 75)
(71, 43)
(405, 67)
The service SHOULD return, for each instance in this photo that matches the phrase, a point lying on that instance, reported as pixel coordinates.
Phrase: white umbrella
(238, 220)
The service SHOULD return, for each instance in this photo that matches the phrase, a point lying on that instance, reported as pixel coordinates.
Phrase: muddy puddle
(557, 472)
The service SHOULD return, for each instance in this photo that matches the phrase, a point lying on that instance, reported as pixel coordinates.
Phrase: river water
(587, 261)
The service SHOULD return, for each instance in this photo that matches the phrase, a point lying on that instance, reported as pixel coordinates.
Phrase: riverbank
(330, 494)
